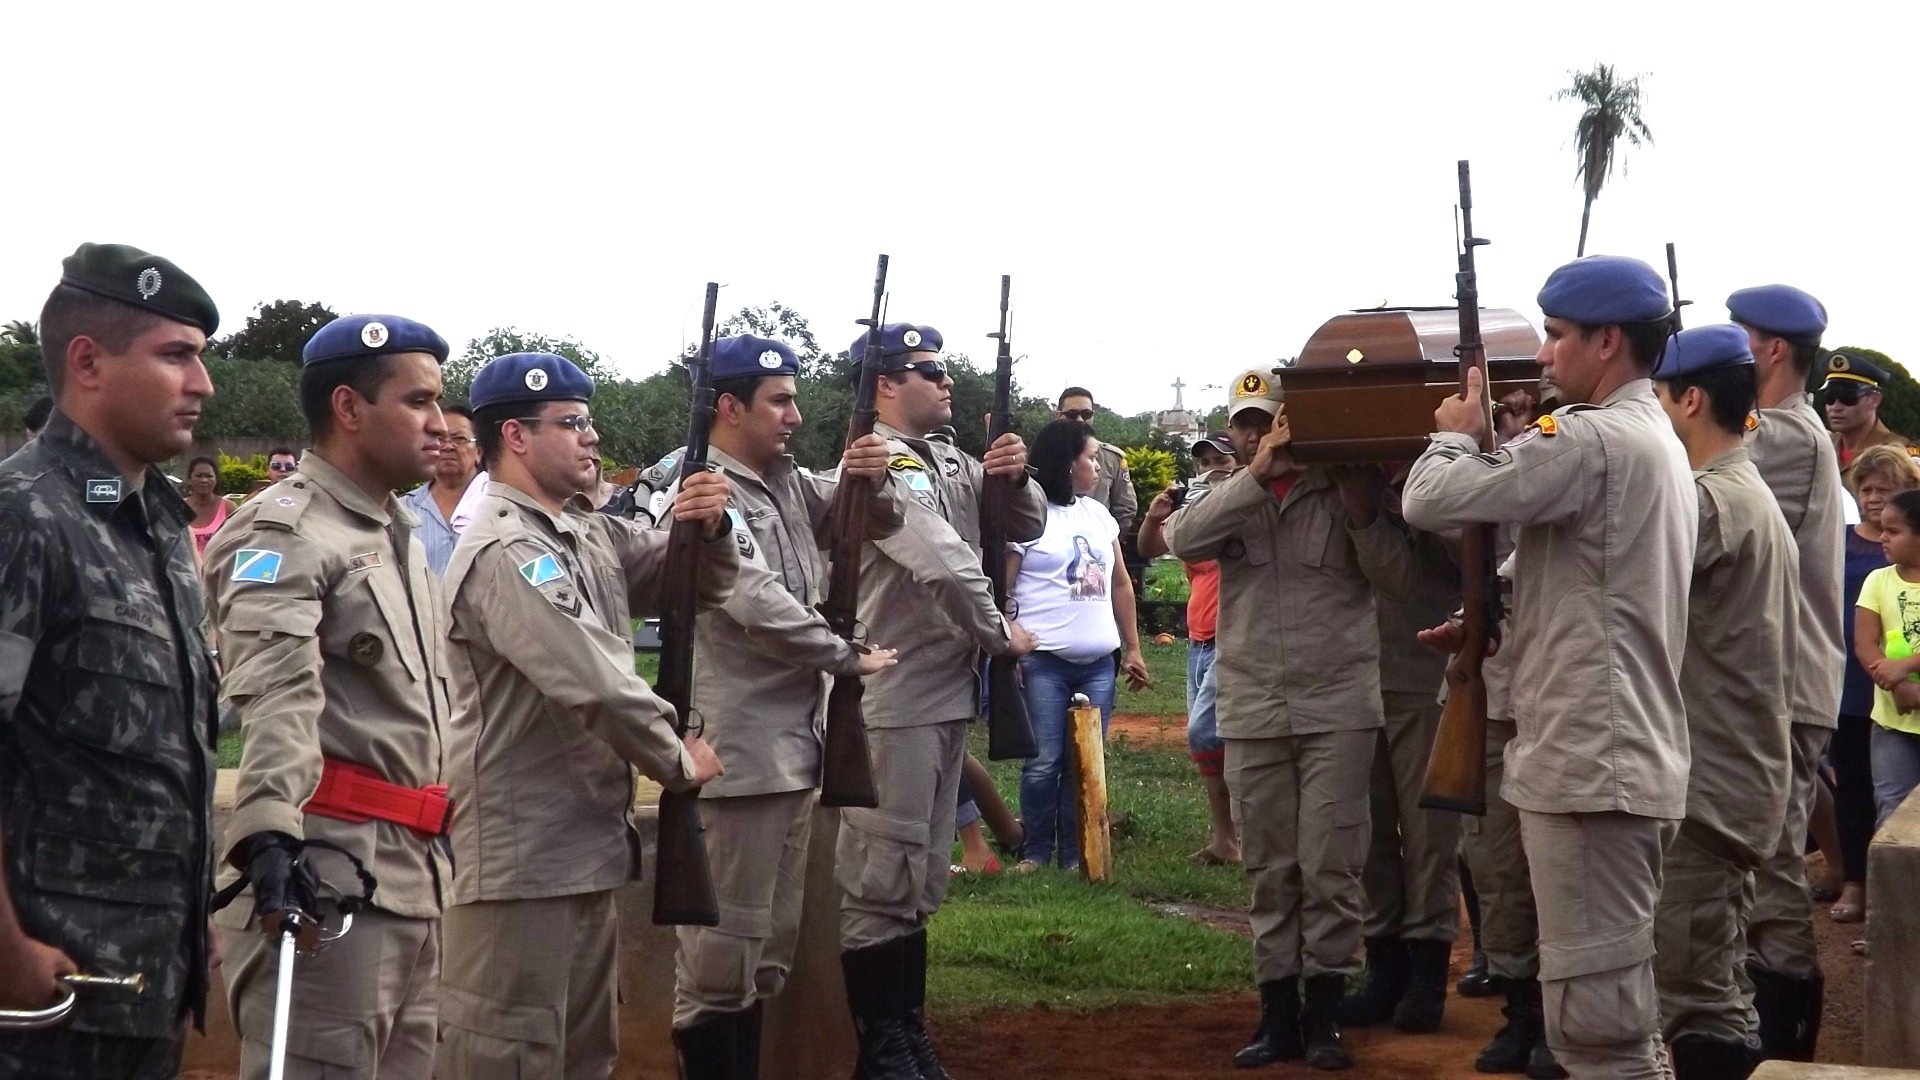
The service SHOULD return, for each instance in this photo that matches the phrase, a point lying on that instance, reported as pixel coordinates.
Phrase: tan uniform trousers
(529, 989)
(757, 851)
(1509, 928)
(1697, 932)
(365, 1007)
(1596, 881)
(892, 861)
(1300, 802)
(1780, 909)
(1412, 876)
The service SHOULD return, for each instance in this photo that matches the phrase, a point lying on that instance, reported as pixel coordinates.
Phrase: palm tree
(20, 332)
(1612, 110)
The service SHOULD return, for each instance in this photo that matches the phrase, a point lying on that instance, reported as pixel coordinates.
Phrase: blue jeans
(1203, 727)
(1049, 814)
(1896, 770)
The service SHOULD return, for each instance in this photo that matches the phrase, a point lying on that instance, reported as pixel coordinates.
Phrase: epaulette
(282, 504)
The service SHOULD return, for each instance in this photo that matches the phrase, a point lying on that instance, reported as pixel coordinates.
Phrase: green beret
(148, 282)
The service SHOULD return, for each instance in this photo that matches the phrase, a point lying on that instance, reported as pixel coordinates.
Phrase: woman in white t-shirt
(1073, 594)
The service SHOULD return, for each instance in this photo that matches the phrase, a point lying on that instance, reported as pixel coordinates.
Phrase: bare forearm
(1152, 539)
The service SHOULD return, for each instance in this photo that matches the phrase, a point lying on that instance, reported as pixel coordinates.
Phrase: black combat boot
(1425, 1000)
(1320, 1023)
(1384, 986)
(707, 1050)
(746, 1056)
(875, 994)
(1513, 1045)
(1541, 1064)
(914, 1018)
(1278, 1036)
(1789, 1011)
(1701, 1057)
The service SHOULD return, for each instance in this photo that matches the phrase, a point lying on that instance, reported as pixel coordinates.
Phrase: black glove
(281, 881)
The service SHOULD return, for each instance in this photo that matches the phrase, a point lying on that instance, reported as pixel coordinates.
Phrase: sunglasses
(931, 370)
(280, 466)
(459, 440)
(1847, 395)
(1076, 414)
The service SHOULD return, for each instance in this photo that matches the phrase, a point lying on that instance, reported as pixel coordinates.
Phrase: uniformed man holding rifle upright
(549, 722)
(106, 684)
(1605, 501)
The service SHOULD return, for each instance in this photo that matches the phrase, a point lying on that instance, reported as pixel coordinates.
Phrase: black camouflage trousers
(62, 1053)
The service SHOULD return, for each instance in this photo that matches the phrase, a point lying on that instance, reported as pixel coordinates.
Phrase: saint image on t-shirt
(1087, 573)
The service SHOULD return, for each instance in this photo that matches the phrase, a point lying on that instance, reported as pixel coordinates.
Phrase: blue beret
(531, 378)
(358, 337)
(1781, 310)
(1845, 366)
(1604, 289)
(744, 356)
(1704, 348)
(898, 339)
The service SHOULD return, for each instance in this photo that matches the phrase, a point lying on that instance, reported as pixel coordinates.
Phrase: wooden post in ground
(1090, 788)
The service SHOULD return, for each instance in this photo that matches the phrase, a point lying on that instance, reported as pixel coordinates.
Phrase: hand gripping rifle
(846, 775)
(1457, 766)
(682, 882)
(1009, 731)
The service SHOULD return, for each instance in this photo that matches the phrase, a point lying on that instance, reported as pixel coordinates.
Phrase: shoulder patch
(1548, 425)
(538, 571)
(257, 565)
(904, 461)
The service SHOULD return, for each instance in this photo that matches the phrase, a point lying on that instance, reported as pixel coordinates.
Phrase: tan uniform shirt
(922, 591)
(1114, 487)
(549, 715)
(1740, 651)
(1882, 435)
(759, 662)
(330, 629)
(1421, 590)
(1795, 456)
(1608, 518)
(1298, 649)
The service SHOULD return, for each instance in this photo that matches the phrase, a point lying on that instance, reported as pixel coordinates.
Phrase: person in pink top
(203, 497)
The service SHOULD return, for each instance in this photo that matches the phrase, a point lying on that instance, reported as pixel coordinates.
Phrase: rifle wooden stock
(846, 771)
(1457, 764)
(1009, 729)
(683, 893)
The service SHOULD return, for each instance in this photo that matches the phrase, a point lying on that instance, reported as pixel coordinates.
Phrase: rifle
(1009, 731)
(682, 882)
(1457, 765)
(1673, 278)
(846, 774)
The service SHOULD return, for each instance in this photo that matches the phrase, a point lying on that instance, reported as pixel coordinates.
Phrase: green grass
(226, 754)
(1166, 580)
(1013, 940)
(1168, 695)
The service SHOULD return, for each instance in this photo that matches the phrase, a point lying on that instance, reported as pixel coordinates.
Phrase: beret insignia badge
(373, 335)
(148, 283)
(770, 360)
(911, 339)
(537, 379)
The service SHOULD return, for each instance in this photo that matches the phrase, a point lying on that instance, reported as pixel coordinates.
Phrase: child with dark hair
(1886, 624)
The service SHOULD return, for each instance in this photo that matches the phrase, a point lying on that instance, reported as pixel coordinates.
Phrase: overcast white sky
(1177, 189)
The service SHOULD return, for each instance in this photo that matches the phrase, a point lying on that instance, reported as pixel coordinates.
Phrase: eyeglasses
(578, 423)
(1082, 415)
(931, 370)
(459, 440)
(280, 466)
(1847, 395)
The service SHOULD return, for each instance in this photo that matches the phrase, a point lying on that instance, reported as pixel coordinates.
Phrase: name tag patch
(365, 561)
(542, 570)
(104, 491)
(256, 564)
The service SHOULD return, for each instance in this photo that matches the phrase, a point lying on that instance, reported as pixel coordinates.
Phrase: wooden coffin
(1366, 384)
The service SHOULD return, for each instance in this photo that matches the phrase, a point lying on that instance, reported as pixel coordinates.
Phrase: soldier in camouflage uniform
(106, 682)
